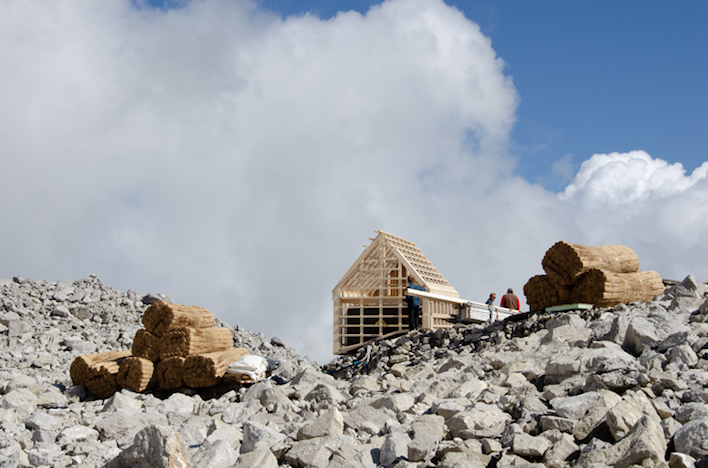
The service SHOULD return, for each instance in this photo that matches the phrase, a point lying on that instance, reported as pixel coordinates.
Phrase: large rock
(482, 420)
(154, 447)
(395, 447)
(366, 418)
(526, 445)
(260, 458)
(644, 442)
(310, 453)
(256, 435)
(220, 454)
(329, 423)
(588, 409)
(692, 438)
(641, 335)
(622, 417)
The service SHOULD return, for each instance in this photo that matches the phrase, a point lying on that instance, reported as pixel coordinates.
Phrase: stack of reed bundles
(161, 316)
(173, 333)
(184, 341)
(604, 276)
(206, 370)
(607, 289)
(564, 262)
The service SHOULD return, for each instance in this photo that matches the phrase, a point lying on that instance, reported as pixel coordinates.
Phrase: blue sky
(593, 77)
(238, 157)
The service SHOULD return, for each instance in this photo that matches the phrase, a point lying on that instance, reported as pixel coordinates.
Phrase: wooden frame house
(369, 300)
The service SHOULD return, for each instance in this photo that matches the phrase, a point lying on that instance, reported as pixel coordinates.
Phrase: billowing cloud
(239, 161)
(646, 203)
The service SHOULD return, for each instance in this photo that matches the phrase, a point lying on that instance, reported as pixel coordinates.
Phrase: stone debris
(625, 386)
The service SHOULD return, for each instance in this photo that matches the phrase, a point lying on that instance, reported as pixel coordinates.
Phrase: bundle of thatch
(565, 261)
(146, 345)
(606, 288)
(136, 374)
(169, 373)
(97, 372)
(161, 316)
(604, 276)
(541, 292)
(88, 366)
(183, 341)
(205, 370)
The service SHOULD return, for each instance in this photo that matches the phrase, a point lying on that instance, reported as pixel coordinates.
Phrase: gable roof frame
(409, 256)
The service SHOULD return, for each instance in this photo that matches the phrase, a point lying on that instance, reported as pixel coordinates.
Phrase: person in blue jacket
(413, 303)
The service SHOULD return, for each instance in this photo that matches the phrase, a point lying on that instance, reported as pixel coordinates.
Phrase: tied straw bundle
(161, 316)
(136, 374)
(97, 372)
(565, 261)
(541, 292)
(170, 375)
(606, 288)
(205, 370)
(146, 345)
(183, 341)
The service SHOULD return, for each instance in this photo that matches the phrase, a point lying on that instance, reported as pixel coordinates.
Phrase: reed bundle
(606, 288)
(564, 261)
(184, 341)
(541, 292)
(205, 370)
(161, 316)
(136, 374)
(170, 374)
(90, 366)
(146, 345)
(97, 372)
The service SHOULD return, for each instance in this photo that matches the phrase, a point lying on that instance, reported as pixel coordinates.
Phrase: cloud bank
(240, 161)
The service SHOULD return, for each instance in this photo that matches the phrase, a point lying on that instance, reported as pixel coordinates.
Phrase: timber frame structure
(369, 300)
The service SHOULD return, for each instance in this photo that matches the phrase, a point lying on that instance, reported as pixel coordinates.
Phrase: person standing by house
(413, 305)
(492, 298)
(490, 305)
(510, 300)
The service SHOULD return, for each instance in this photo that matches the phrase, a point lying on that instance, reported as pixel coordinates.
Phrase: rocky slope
(626, 386)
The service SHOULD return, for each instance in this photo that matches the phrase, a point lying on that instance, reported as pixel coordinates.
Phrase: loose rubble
(623, 386)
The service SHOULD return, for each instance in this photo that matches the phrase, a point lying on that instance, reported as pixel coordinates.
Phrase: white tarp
(252, 366)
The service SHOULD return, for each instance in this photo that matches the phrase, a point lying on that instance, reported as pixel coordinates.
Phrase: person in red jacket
(510, 300)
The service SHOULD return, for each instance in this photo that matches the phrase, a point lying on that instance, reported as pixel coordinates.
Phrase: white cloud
(648, 204)
(239, 161)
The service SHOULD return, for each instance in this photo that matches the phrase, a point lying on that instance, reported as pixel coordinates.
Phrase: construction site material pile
(603, 276)
(179, 347)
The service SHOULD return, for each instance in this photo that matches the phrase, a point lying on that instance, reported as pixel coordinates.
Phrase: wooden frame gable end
(369, 300)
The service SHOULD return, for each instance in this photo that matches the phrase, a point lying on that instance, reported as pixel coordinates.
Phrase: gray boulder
(692, 438)
(154, 447)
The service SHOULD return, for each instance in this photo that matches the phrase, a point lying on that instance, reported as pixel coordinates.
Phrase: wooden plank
(564, 307)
